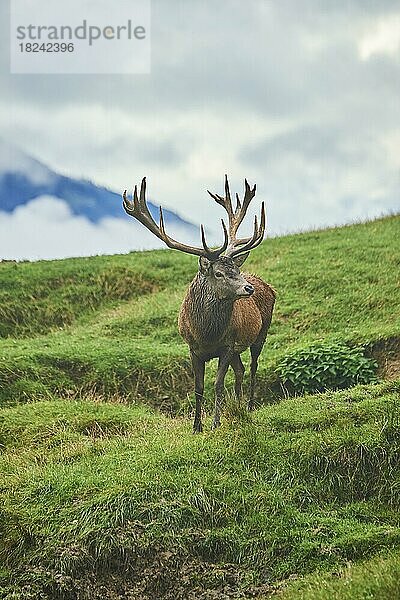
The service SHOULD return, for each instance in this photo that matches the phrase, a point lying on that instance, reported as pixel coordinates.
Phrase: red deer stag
(224, 311)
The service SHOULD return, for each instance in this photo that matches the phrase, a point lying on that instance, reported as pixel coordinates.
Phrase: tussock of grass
(95, 486)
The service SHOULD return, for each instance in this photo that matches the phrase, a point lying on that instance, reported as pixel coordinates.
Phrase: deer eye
(218, 274)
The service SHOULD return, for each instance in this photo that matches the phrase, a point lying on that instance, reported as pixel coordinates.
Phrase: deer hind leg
(198, 368)
(238, 368)
(255, 353)
(223, 366)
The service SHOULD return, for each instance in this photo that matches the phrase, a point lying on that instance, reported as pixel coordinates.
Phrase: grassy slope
(301, 486)
(375, 578)
(90, 486)
(117, 337)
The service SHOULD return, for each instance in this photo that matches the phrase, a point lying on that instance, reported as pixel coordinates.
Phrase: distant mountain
(23, 179)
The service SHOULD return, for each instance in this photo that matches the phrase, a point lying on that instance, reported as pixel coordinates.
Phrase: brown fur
(246, 323)
(251, 315)
(218, 326)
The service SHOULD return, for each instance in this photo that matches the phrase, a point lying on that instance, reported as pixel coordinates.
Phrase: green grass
(89, 486)
(377, 578)
(109, 323)
(42, 297)
(102, 496)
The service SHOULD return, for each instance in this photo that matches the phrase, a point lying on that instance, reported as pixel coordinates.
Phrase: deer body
(208, 323)
(223, 328)
(224, 311)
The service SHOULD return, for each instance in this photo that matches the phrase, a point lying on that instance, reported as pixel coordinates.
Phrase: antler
(139, 209)
(239, 246)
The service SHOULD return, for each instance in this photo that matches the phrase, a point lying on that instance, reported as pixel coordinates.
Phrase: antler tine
(256, 239)
(141, 202)
(249, 194)
(140, 211)
(241, 208)
(228, 196)
(236, 217)
(224, 245)
(226, 202)
(130, 206)
(219, 199)
(143, 192)
(238, 204)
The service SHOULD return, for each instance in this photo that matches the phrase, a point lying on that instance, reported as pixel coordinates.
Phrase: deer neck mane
(210, 314)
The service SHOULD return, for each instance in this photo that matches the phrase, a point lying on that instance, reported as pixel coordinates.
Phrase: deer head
(220, 266)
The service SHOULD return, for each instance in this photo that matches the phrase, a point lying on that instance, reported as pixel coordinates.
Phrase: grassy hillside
(104, 497)
(108, 324)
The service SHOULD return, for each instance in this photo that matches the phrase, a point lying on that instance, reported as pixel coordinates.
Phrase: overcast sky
(299, 96)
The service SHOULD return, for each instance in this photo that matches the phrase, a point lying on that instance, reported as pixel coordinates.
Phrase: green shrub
(325, 366)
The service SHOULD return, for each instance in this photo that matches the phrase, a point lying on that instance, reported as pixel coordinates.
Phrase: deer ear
(239, 260)
(204, 264)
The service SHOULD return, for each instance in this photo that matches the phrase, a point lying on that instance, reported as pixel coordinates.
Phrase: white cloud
(200, 157)
(391, 144)
(45, 228)
(382, 38)
(272, 69)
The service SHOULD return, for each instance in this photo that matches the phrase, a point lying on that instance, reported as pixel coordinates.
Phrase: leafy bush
(325, 366)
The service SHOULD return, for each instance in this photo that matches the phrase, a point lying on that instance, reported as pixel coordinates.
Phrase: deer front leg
(237, 366)
(198, 368)
(223, 365)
